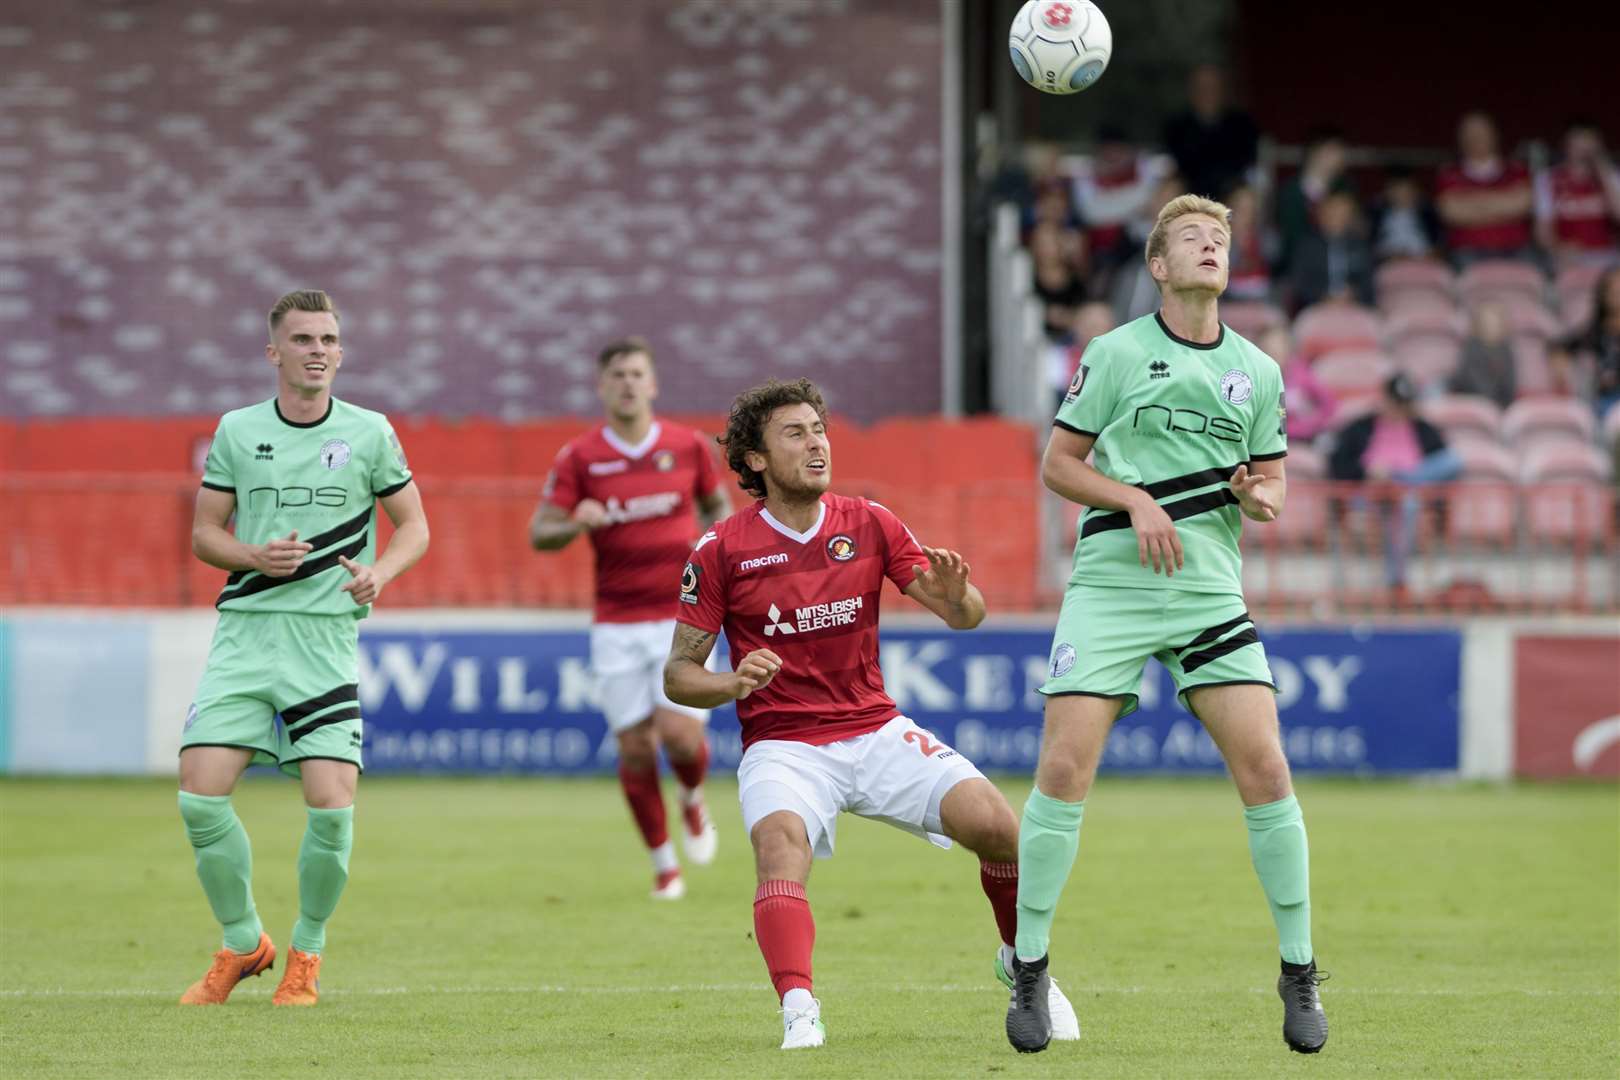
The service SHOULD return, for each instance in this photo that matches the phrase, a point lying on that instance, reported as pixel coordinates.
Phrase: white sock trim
(663, 857)
(798, 999)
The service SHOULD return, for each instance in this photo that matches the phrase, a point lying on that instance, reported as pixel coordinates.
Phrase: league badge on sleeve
(689, 584)
(1076, 384)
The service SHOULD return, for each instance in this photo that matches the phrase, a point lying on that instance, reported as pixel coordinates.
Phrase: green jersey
(1174, 418)
(322, 478)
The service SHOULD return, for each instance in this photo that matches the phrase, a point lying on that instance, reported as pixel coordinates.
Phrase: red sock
(646, 801)
(691, 772)
(786, 933)
(1000, 881)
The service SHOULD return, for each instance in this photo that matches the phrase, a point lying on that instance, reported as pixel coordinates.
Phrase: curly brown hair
(745, 427)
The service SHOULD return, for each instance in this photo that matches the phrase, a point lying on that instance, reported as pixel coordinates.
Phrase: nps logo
(841, 548)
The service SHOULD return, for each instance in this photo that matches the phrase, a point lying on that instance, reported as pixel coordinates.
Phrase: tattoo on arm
(691, 644)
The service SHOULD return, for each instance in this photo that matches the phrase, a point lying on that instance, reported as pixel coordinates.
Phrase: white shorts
(627, 660)
(881, 775)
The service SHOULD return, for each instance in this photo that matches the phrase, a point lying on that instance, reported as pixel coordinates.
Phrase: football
(1060, 46)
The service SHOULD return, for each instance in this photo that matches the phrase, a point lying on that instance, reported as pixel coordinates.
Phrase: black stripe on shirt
(1181, 508)
(308, 570)
(358, 523)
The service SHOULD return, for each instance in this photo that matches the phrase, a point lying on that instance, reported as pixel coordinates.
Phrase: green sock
(1282, 858)
(1048, 839)
(224, 866)
(323, 870)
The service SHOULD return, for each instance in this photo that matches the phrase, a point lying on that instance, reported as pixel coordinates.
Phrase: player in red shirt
(794, 580)
(632, 484)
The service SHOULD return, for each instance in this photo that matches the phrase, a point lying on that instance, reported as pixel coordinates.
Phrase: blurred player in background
(795, 582)
(301, 473)
(1187, 422)
(632, 484)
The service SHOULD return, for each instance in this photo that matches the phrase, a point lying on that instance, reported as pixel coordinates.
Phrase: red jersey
(648, 491)
(1578, 207)
(812, 599)
(1503, 236)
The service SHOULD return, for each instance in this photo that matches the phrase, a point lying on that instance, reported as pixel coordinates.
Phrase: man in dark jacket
(1395, 446)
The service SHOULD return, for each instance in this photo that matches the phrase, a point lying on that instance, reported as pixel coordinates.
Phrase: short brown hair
(1158, 241)
(622, 347)
(301, 300)
(745, 427)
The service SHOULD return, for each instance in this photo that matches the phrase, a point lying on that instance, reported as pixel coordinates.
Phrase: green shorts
(283, 685)
(1105, 635)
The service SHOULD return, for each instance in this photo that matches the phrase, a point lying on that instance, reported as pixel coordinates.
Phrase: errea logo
(1158, 369)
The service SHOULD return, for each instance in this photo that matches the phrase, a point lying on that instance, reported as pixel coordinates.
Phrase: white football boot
(802, 1028)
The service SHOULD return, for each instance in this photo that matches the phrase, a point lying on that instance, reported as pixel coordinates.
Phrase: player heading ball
(795, 581)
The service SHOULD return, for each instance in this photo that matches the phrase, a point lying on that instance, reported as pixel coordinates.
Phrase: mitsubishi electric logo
(814, 617)
(776, 625)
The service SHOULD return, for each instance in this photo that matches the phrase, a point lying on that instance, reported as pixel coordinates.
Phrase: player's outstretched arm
(213, 543)
(945, 590)
(1260, 488)
(408, 544)
(1064, 470)
(688, 682)
(552, 527)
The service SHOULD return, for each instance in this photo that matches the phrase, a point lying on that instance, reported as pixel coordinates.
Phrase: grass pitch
(502, 928)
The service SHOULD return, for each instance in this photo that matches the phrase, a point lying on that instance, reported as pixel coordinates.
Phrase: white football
(1060, 46)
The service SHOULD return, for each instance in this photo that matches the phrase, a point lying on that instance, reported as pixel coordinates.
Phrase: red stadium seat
(1482, 508)
(1501, 276)
(1538, 416)
(1429, 363)
(1567, 499)
(1352, 371)
(1418, 305)
(1414, 276)
(1465, 415)
(1326, 326)
(1576, 286)
(1250, 317)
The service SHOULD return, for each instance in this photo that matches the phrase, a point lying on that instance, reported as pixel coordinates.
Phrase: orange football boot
(301, 982)
(228, 969)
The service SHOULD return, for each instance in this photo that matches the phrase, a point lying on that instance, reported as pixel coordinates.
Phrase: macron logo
(777, 559)
(776, 625)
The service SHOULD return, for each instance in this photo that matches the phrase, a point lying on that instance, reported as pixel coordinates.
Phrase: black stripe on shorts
(1192, 663)
(297, 714)
(336, 716)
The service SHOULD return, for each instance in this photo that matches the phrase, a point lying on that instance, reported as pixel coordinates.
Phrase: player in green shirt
(1184, 422)
(302, 474)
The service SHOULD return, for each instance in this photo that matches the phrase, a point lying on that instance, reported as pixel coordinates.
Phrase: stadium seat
(1575, 286)
(1417, 304)
(1501, 276)
(1528, 317)
(1249, 317)
(1429, 363)
(1323, 327)
(1534, 373)
(1568, 499)
(1414, 276)
(1611, 428)
(1559, 460)
(1459, 415)
(1428, 325)
(1537, 416)
(1306, 462)
(1352, 371)
(1482, 507)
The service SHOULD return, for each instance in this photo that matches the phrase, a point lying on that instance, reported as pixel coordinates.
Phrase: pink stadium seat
(1353, 371)
(1322, 327)
(1414, 275)
(1531, 367)
(1465, 415)
(1551, 459)
(1306, 462)
(1483, 506)
(1569, 499)
(1611, 428)
(1528, 316)
(1429, 363)
(1501, 276)
(1417, 305)
(1250, 317)
(1529, 417)
(1578, 279)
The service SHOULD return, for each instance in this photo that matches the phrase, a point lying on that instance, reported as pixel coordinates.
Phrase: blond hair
(300, 300)
(1158, 241)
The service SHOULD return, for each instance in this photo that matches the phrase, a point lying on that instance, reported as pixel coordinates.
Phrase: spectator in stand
(1249, 278)
(1588, 364)
(1321, 175)
(1063, 357)
(1334, 262)
(1058, 249)
(1109, 194)
(1214, 144)
(1484, 199)
(1395, 446)
(1310, 405)
(1577, 201)
(1486, 365)
(1405, 225)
